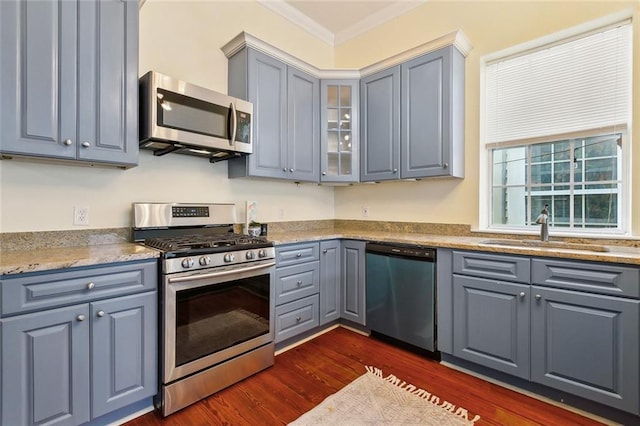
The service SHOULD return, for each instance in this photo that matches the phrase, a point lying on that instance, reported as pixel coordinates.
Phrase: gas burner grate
(197, 241)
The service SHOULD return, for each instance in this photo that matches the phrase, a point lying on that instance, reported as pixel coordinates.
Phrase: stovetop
(199, 243)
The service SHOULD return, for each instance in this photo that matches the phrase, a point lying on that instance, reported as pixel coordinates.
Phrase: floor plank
(303, 376)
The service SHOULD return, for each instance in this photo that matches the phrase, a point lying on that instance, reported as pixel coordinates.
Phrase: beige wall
(183, 39)
(491, 27)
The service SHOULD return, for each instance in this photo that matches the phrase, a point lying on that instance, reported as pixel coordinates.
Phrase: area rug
(373, 399)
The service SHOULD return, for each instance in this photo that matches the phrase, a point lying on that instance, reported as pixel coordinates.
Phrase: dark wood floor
(303, 376)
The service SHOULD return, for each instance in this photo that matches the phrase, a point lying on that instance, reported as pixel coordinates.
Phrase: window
(555, 122)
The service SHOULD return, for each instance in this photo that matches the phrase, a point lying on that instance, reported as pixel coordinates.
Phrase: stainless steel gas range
(216, 288)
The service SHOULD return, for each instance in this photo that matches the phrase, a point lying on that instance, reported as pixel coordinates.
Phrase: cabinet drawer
(587, 276)
(297, 281)
(37, 292)
(296, 317)
(297, 253)
(496, 266)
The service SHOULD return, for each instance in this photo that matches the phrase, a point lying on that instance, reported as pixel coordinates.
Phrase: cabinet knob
(538, 297)
(324, 251)
(395, 170)
(284, 169)
(299, 283)
(80, 317)
(68, 142)
(445, 165)
(90, 286)
(298, 319)
(324, 173)
(291, 170)
(86, 144)
(100, 314)
(522, 294)
(299, 255)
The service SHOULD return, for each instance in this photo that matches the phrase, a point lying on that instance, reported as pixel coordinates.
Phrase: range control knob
(250, 255)
(262, 253)
(187, 262)
(205, 260)
(229, 257)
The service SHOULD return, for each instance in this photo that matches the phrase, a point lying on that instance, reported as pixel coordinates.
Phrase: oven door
(214, 315)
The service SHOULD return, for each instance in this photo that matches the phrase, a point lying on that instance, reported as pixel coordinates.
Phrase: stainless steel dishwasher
(400, 284)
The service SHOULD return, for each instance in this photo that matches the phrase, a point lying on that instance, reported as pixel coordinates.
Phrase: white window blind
(583, 83)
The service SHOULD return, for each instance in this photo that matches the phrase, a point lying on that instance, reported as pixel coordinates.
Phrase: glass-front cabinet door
(339, 130)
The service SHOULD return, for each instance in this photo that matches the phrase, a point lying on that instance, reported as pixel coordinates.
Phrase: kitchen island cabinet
(78, 344)
(554, 323)
(69, 80)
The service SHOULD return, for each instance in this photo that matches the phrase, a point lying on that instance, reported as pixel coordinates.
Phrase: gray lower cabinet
(286, 133)
(412, 119)
(552, 322)
(83, 356)
(329, 281)
(69, 80)
(491, 323)
(353, 297)
(587, 345)
(297, 284)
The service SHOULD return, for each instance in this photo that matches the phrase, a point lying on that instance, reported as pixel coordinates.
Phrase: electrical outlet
(81, 215)
(365, 211)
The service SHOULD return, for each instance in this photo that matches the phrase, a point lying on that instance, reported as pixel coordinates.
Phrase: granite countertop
(614, 253)
(33, 259)
(44, 259)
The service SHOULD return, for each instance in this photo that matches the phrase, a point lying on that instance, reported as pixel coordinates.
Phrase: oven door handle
(176, 280)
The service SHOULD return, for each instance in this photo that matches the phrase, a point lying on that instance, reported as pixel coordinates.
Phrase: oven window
(212, 318)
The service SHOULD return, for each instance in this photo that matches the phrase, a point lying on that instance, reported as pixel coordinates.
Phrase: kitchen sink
(547, 244)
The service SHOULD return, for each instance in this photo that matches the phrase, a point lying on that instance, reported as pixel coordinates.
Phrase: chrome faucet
(543, 220)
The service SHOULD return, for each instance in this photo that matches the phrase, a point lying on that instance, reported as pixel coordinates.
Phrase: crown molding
(294, 15)
(380, 17)
(245, 39)
(455, 38)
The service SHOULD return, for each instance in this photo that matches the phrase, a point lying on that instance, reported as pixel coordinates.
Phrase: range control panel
(190, 211)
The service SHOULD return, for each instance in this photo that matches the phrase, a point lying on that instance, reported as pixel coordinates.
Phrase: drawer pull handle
(100, 314)
(90, 286)
(299, 283)
(522, 294)
(299, 255)
(80, 317)
(324, 251)
(538, 297)
(298, 319)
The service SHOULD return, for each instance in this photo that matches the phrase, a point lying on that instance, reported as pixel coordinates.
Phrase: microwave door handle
(234, 124)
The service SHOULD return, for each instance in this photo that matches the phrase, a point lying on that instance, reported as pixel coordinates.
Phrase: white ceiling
(336, 21)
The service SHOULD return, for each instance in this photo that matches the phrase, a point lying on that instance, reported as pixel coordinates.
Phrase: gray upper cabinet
(339, 131)
(69, 80)
(432, 115)
(286, 118)
(380, 125)
(413, 118)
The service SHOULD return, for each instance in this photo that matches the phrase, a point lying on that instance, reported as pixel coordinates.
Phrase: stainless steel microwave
(179, 117)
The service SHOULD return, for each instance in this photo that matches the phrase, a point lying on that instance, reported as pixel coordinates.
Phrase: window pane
(509, 206)
(541, 173)
(345, 96)
(601, 209)
(541, 153)
(598, 170)
(332, 96)
(562, 151)
(537, 204)
(562, 172)
(509, 166)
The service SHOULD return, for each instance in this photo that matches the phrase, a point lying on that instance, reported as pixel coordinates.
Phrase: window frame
(486, 149)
